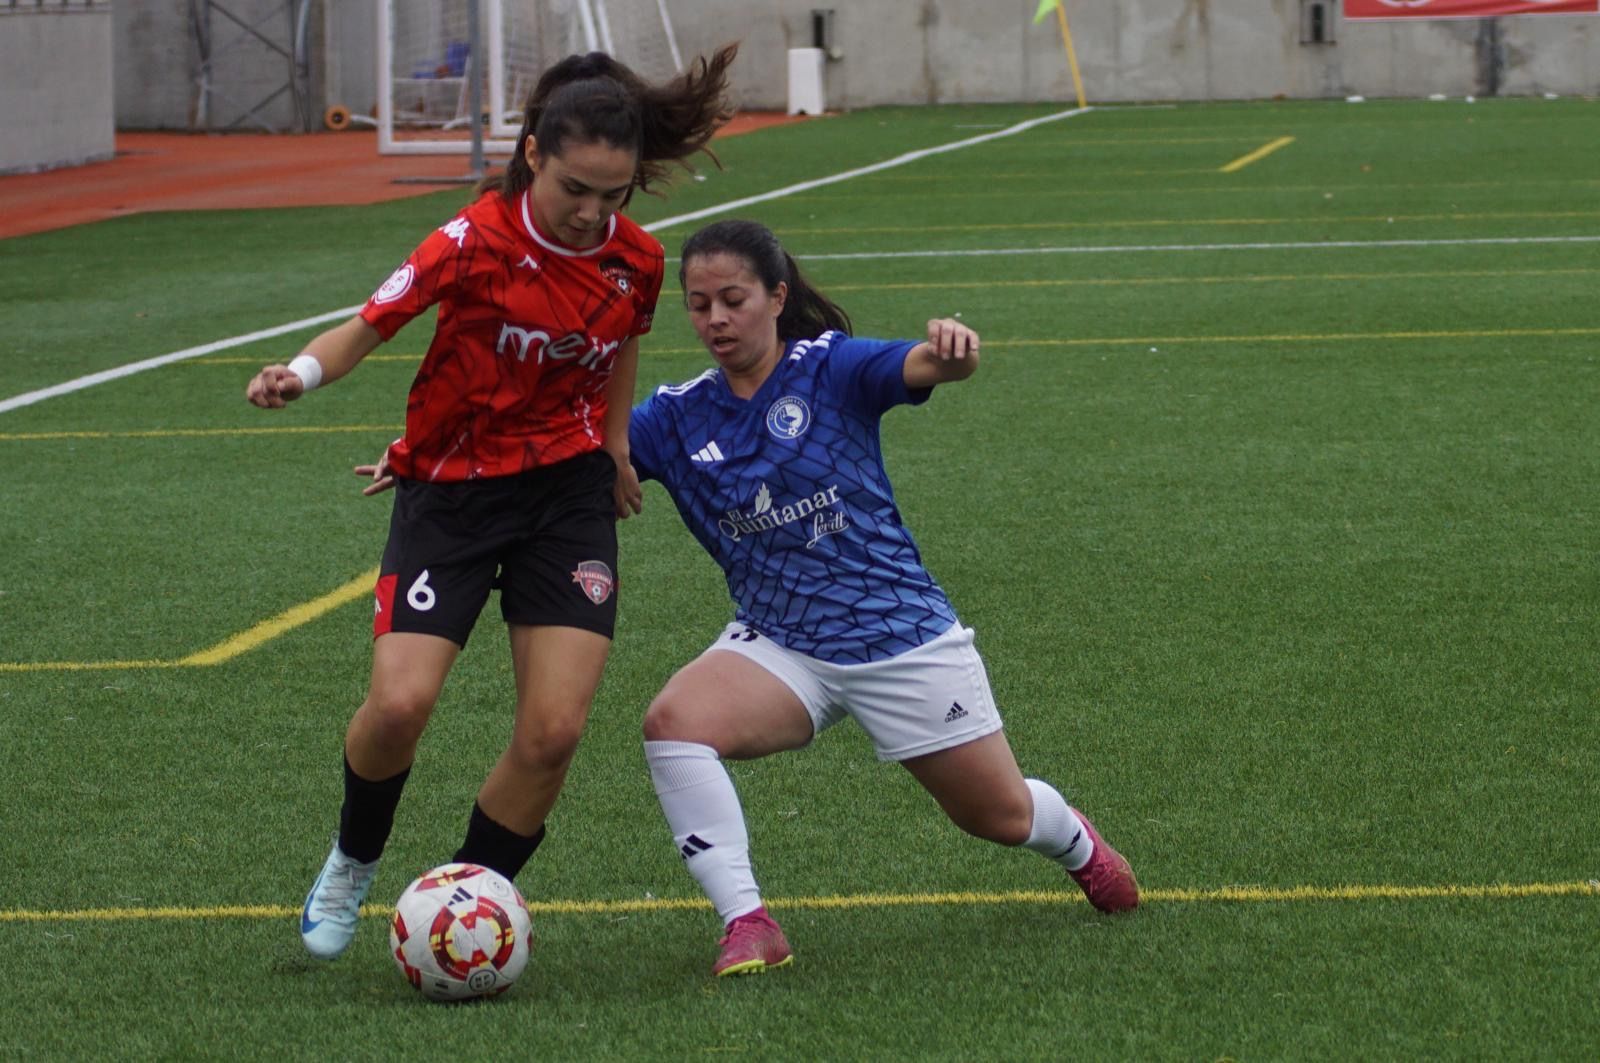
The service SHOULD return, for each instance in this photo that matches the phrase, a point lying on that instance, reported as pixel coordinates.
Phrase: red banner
(1356, 10)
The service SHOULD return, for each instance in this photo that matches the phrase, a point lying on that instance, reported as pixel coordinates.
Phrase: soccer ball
(461, 931)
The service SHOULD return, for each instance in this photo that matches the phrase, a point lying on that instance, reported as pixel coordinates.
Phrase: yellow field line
(230, 648)
(1455, 334)
(1225, 894)
(1094, 341)
(1260, 153)
(267, 630)
(1251, 278)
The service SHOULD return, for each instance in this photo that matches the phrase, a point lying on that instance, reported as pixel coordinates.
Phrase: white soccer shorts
(931, 698)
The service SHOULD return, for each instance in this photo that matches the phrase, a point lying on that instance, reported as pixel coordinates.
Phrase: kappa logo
(789, 417)
(398, 284)
(456, 230)
(530, 262)
(956, 713)
(596, 580)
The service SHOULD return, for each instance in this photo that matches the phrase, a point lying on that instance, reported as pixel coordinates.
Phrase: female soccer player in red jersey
(514, 462)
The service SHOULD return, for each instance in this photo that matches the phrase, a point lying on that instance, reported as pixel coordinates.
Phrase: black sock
(496, 847)
(368, 813)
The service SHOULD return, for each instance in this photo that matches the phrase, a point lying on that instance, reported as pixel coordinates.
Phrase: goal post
(423, 93)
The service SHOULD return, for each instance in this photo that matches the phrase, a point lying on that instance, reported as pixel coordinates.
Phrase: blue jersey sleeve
(645, 444)
(871, 374)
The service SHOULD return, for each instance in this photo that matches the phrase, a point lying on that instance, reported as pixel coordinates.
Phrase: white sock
(1057, 831)
(702, 808)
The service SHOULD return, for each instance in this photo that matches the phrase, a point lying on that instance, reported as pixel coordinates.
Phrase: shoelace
(745, 930)
(337, 890)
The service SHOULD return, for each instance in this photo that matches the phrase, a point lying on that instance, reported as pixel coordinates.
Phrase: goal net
(424, 96)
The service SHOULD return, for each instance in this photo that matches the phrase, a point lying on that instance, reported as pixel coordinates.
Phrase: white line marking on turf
(92, 379)
(877, 167)
(31, 397)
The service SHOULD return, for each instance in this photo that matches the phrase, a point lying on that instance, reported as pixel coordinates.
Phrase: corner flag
(1066, 41)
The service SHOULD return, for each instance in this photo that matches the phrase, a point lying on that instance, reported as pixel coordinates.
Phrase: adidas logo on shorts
(956, 713)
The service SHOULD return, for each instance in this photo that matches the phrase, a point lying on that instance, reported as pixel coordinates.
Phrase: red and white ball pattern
(461, 931)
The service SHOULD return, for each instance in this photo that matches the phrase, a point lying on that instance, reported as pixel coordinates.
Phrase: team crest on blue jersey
(596, 580)
(789, 417)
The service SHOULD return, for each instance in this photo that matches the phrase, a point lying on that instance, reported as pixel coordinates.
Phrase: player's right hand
(273, 387)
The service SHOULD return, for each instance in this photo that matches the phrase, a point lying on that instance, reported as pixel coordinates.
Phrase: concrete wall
(55, 69)
(925, 51)
(163, 83)
(155, 59)
(954, 51)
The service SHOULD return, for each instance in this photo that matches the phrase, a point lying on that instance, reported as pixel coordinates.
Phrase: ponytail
(594, 97)
(807, 313)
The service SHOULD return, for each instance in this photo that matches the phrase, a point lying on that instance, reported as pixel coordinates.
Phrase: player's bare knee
(546, 747)
(397, 718)
(665, 720)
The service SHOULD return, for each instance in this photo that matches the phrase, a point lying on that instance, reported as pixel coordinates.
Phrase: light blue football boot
(328, 921)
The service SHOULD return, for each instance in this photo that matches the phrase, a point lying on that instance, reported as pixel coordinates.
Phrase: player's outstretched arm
(325, 359)
(949, 353)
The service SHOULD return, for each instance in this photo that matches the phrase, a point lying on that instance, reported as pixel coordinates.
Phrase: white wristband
(308, 369)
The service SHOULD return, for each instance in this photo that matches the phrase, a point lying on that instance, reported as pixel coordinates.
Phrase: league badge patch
(596, 580)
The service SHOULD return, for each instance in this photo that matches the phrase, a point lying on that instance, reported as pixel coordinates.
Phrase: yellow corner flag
(1066, 41)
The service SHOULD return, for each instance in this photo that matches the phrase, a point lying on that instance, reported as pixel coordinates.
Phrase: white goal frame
(505, 121)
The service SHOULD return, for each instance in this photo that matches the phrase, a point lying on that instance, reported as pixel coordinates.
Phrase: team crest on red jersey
(620, 273)
(596, 580)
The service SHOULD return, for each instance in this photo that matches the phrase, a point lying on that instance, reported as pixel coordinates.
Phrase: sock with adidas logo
(1057, 832)
(707, 823)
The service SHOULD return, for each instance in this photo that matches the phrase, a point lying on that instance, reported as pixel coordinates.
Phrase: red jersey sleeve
(438, 268)
(649, 292)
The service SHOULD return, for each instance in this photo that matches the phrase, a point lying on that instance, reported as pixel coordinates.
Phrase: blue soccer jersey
(787, 491)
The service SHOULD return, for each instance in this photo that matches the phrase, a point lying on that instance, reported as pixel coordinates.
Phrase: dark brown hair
(806, 314)
(590, 98)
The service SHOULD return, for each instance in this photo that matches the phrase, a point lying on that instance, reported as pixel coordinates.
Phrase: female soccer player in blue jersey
(773, 460)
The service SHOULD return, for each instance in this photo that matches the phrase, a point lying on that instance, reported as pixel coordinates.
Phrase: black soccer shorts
(547, 538)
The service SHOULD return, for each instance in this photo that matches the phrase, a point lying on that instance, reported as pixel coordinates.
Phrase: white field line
(31, 397)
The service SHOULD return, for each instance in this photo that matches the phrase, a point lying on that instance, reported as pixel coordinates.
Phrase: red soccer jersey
(527, 335)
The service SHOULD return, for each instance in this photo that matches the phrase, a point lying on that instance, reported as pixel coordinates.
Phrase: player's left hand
(629, 495)
(382, 479)
(950, 339)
